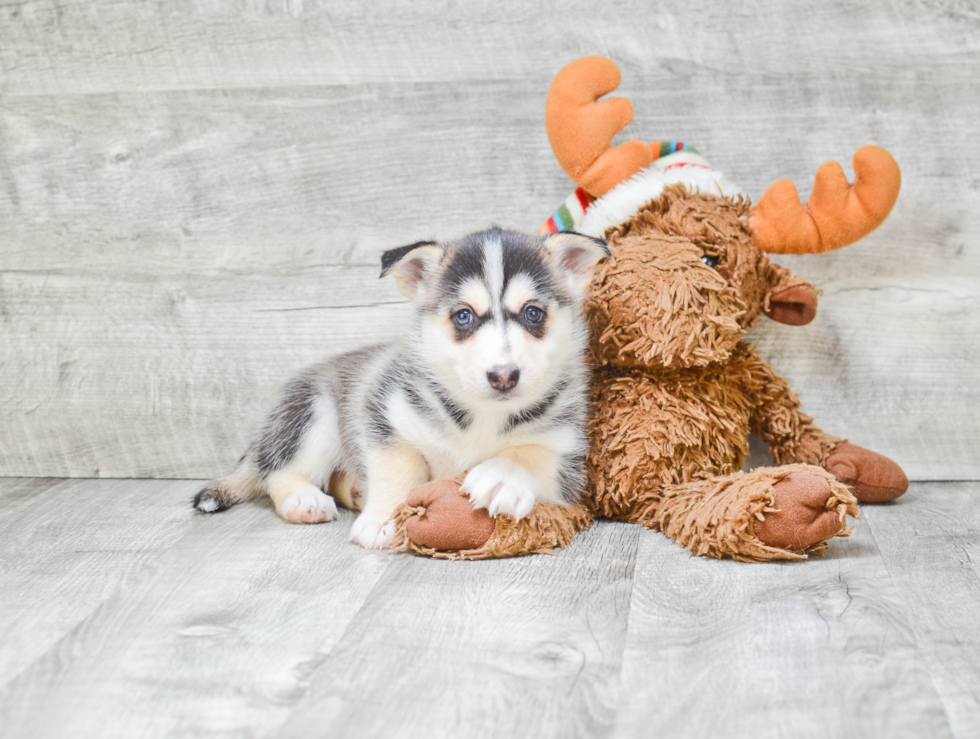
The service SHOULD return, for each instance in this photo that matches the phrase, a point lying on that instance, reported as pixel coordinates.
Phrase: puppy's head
(499, 309)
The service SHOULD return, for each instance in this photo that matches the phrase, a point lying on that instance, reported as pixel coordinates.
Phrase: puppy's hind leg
(299, 448)
(306, 458)
(292, 457)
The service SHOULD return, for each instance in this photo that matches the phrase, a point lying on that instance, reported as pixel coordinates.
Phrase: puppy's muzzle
(503, 377)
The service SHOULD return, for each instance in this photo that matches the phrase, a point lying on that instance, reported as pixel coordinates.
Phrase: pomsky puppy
(491, 377)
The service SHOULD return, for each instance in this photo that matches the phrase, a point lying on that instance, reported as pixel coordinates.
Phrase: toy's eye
(533, 314)
(710, 260)
(463, 318)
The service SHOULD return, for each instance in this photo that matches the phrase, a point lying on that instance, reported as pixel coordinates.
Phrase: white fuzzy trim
(625, 200)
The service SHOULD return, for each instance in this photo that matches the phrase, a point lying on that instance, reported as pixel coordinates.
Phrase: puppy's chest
(450, 451)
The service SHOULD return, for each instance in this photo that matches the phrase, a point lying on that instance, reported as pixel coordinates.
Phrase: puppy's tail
(239, 486)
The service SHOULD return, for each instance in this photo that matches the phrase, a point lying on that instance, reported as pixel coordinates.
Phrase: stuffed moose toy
(676, 388)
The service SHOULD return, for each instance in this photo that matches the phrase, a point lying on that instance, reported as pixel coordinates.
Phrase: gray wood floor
(125, 615)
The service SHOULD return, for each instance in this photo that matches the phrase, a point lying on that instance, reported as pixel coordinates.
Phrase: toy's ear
(790, 299)
(412, 266)
(576, 255)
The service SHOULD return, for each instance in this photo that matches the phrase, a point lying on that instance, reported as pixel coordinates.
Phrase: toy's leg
(873, 477)
(768, 513)
(802, 443)
(793, 438)
(440, 521)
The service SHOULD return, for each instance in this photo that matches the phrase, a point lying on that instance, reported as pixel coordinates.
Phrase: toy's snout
(789, 299)
(796, 306)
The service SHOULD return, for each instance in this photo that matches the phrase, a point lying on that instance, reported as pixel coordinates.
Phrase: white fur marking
(493, 268)
(319, 452)
(208, 505)
(474, 293)
(372, 532)
(520, 289)
(501, 486)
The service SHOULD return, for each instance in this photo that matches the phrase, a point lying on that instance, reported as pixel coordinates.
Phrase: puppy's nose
(503, 377)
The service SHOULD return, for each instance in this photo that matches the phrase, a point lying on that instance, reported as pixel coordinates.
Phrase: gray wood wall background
(194, 196)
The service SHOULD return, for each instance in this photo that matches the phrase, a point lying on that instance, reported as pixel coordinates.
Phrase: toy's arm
(439, 520)
(791, 435)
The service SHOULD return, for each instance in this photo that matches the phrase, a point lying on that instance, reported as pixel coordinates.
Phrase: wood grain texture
(126, 614)
(151, 45)
(812, 649)
(216, 635)
(930, 543)
(520, 647)
(19, 491)
(172, 374)
(193, 199)
(65, 552)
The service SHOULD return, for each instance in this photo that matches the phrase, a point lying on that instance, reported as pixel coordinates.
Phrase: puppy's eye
(710, 260)
(533, 314)
(463, 318)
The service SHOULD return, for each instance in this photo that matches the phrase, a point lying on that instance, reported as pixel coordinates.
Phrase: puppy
(490, 377)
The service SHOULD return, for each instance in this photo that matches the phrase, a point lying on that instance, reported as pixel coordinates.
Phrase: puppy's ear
(412, 266)
(576, 254)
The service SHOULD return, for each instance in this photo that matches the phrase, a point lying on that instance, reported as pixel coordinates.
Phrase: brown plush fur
(680, 390)
(677, 391)
(656, 428)
(547, 527)
(656, 304)
(714, 516)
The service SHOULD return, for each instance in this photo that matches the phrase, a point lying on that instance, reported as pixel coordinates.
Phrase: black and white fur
(490, 378)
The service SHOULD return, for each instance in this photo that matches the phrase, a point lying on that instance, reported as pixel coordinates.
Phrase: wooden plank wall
(194, 196)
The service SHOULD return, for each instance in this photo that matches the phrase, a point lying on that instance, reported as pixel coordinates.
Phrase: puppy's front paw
(501, 486)
(308, 505)
(372, 532)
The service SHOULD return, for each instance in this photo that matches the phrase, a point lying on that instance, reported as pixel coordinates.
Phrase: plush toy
(677, 390)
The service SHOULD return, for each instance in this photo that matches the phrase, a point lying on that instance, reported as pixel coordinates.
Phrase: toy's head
(690, 269)
(686, 280)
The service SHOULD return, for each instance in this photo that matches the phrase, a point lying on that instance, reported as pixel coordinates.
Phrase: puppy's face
(500, 311)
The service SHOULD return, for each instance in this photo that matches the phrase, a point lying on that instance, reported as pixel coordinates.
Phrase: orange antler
(837, 213)
(580, 127)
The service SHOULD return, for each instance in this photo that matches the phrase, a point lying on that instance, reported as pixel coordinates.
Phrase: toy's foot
(801, 519)
(873, 477)
(447, 521)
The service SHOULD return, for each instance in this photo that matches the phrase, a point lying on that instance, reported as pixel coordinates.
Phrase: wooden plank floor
(124, 614)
